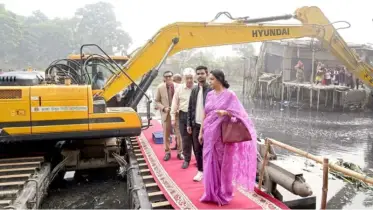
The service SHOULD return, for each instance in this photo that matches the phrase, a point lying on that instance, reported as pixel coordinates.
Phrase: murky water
(346, 135)
(97, 189)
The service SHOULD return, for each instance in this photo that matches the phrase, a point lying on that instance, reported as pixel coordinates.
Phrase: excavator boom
(182, 35)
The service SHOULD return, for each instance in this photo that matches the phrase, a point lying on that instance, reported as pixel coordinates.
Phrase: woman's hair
(219, 75)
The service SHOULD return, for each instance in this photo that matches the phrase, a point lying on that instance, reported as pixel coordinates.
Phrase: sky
(143, 18)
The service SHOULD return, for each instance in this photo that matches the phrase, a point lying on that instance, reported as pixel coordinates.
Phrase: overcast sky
(142, 18)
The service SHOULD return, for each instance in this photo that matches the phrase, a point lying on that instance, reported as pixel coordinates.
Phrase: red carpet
(179, 187)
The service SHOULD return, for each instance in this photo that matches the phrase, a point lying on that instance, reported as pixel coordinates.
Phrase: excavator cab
(86, 69)
(96, 68)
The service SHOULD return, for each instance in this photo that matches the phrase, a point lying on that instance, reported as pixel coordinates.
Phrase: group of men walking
(182, 106)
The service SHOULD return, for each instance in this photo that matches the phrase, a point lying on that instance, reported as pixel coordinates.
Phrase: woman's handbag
(235, 132)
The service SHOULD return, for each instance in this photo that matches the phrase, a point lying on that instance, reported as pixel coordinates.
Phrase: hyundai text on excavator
(70, 110)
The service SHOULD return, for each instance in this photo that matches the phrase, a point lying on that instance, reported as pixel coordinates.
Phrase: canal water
(347, 135)
(96, 189)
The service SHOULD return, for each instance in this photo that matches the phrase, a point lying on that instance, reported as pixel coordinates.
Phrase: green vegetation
(357, 183)
(37, 40)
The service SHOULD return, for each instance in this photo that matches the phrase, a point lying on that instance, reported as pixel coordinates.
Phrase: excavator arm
(183, 35)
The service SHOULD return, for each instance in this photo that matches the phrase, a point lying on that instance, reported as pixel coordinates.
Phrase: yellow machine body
(60, 112)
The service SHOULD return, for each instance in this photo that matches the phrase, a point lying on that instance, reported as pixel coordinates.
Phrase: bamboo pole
(325, 180)
(320, 160)
(265, 161)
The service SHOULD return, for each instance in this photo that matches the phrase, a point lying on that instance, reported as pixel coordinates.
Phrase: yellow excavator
(74, 111)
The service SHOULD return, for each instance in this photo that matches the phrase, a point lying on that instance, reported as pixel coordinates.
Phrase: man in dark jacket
(195, 117)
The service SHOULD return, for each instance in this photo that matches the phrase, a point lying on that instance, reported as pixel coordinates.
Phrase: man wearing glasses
(163, 100)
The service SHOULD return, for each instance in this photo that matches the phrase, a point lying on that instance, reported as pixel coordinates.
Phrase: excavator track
(14, 174)
(141, 182)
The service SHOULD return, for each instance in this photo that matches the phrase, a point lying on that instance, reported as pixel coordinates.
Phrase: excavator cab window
(91, 66)
(99, 81)
(369, 57)
(370, 60)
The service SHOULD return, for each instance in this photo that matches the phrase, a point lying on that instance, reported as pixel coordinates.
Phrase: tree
(245, 50)
(37, 40)
(232, 65)
(185, 57)
(200, 57)
(37, 17)
(96, 23)
(10, 33)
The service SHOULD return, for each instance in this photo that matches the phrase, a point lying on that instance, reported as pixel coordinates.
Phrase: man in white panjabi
(179, 112)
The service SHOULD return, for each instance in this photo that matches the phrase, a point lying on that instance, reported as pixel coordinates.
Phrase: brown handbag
(235, 132)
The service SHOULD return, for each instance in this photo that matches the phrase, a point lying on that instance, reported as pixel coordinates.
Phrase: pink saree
(226, 164)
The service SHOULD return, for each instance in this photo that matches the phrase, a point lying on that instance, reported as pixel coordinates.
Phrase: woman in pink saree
(225, 165)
